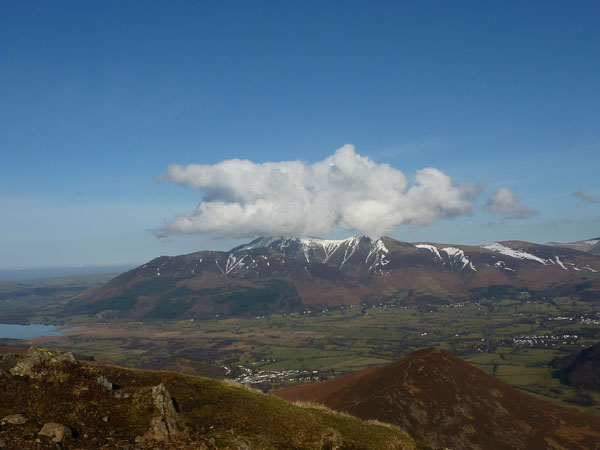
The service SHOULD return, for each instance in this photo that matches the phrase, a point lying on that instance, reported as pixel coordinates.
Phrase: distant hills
(287, 275)
(445, 402)
(17, 275)
(590, 245)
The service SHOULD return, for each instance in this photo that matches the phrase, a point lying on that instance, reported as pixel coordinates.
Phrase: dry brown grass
(235, 384)
(319, 406)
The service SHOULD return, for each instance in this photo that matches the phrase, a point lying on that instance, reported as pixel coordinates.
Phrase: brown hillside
(445, 402)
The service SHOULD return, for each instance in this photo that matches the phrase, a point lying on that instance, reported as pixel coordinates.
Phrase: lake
(11, 331)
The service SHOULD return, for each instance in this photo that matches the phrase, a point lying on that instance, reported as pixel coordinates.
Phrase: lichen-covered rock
(36, 357)
(56, 431)
(14, 419)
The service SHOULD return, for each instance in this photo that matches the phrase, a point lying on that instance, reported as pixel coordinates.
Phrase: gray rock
(27, 366)
(56, 431)
(14, 419)
(158, 431)
(103, 381)
(163, 428)
(162, 400)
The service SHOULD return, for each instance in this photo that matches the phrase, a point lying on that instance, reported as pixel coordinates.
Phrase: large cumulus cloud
(346, 190)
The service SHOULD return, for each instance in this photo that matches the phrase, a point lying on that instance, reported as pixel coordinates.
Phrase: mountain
(580, 370)
(590, 245)
(445, 402)
(293, 274)
(48, 400)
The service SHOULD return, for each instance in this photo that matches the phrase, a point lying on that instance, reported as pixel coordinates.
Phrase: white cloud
(504, 201)
(244, 199)
(585, 195)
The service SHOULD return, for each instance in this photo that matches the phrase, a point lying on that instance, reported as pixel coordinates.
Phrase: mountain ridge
(293, 274)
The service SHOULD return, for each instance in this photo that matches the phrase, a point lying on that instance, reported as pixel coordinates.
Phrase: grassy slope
(215, 413)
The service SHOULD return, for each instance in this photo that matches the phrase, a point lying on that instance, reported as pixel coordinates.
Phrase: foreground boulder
(56, 431)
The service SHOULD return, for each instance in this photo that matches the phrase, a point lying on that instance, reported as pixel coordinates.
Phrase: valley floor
(513, 339)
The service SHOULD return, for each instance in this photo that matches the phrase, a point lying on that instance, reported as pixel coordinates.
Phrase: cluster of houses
(255, 376)
(545, 340)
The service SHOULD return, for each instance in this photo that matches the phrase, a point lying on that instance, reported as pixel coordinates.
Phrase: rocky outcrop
(56, 431)
(41, 363)
(166, 426)
(31, 364)
(163, 401)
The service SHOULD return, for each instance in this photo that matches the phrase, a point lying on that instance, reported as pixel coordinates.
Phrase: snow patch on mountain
(513, 253)
(350, 250)
(432, 248)
(330, 246)
(237, 265)
(588, 268)
(217, 263)
(502, 265)
(377, 253)
(559, 262)
(456, 255)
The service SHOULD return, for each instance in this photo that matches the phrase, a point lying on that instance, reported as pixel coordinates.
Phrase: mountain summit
(356, 251)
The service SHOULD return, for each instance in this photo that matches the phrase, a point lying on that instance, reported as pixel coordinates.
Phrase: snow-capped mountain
(279, 274)
(344, 254)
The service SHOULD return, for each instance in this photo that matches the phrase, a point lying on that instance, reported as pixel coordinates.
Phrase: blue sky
(98, 98)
